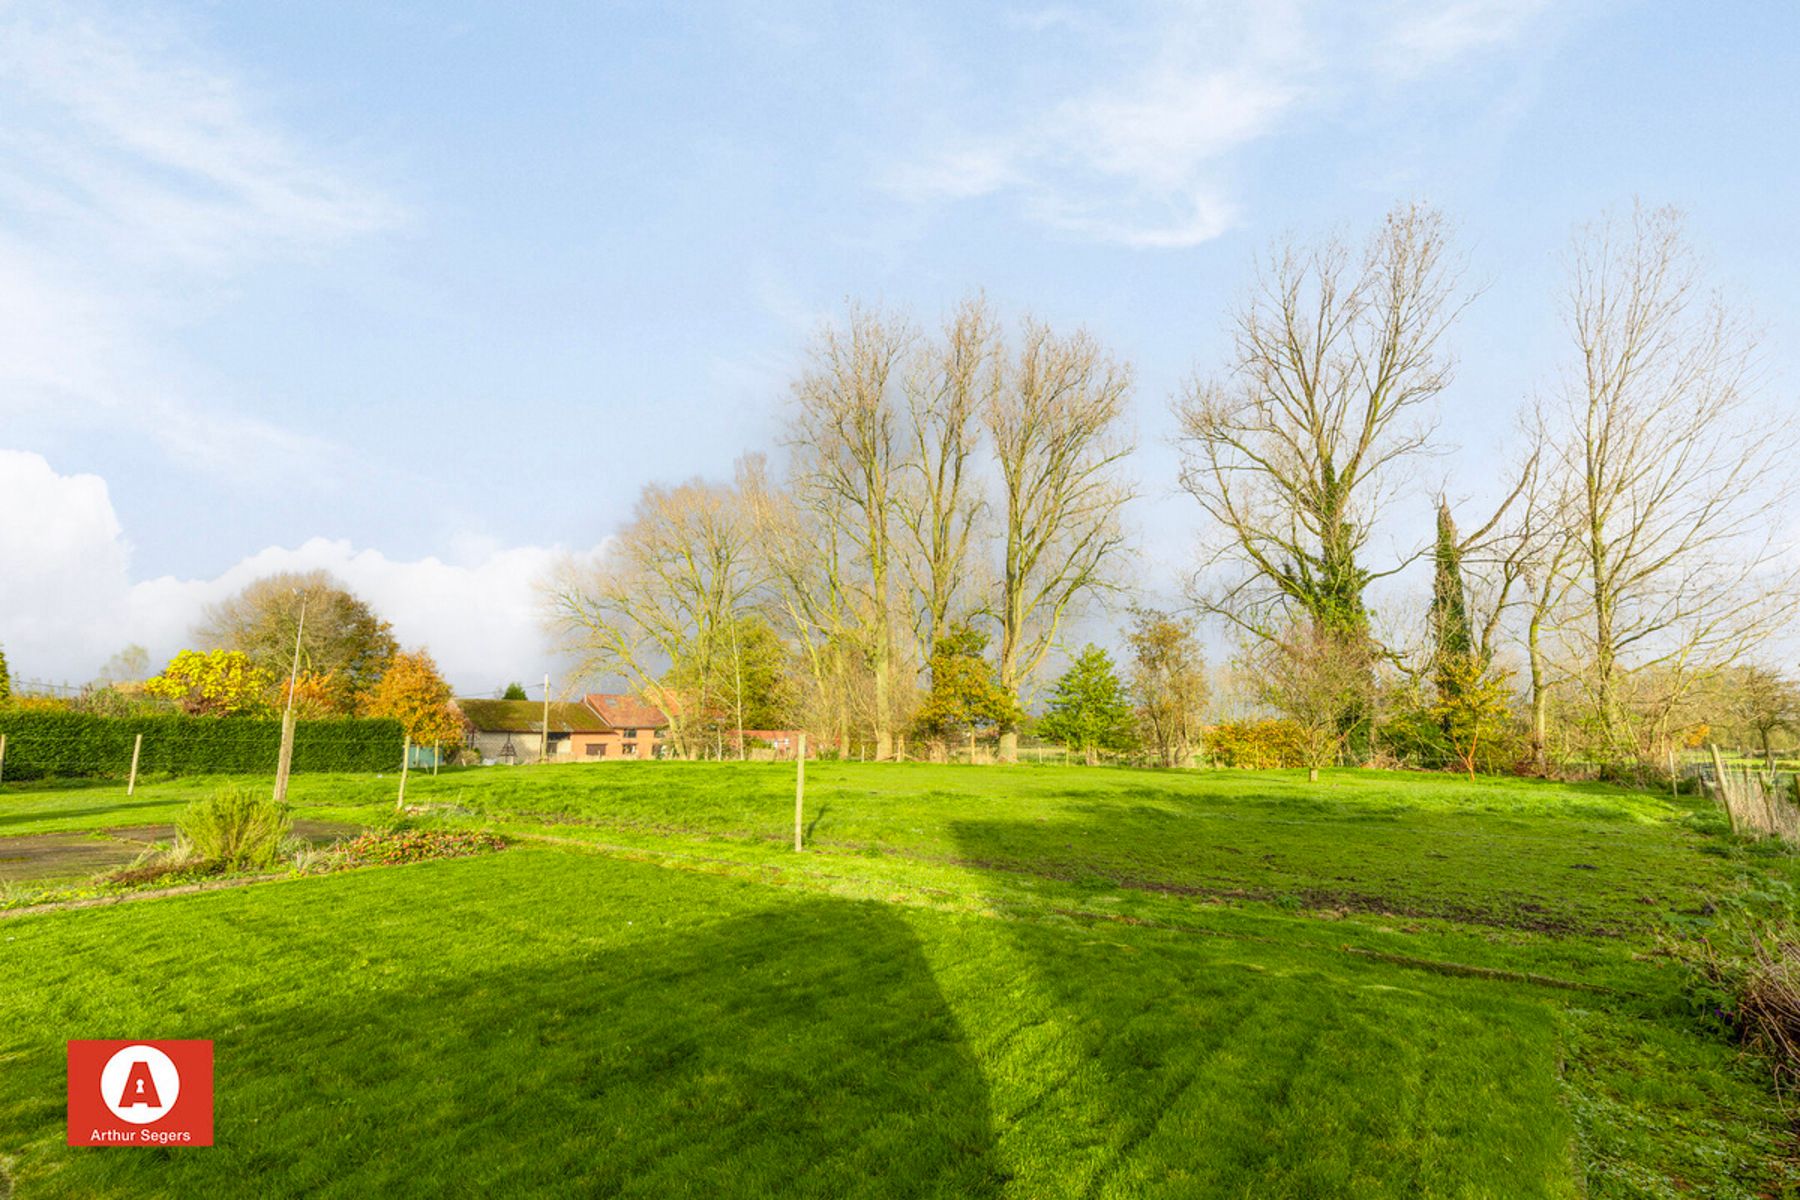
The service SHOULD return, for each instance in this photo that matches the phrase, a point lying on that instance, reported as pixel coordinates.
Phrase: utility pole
(544, 736)
(286, 757)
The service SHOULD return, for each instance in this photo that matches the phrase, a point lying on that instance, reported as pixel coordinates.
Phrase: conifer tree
(1452, 640)
(1090, 709)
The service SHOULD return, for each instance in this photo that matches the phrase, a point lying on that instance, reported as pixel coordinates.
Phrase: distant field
(978, 981)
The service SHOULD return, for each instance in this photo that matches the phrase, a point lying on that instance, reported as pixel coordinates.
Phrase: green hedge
(41, 744)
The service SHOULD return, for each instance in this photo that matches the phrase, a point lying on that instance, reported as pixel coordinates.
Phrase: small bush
(234, 829)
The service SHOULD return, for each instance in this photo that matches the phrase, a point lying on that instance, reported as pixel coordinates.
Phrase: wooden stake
(544, 737)
(437, 752)
(284, 760)
(405, 758)
(1719, 786)
(2, 756)
(136, 747)
(800, 792)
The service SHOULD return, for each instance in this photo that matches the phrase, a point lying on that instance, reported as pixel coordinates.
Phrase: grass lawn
(979, 981)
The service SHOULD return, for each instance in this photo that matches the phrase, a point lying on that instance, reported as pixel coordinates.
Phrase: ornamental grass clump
(1768, 1008)
(234, 829)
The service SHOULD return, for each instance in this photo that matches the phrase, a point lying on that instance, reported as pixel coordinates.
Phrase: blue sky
(425, 293)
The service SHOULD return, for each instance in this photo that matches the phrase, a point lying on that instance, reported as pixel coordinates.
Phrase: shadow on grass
(41, 816)
(1170, 1065)
(801, 1051)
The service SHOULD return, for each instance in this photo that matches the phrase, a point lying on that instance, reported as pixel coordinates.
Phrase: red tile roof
(625, 712)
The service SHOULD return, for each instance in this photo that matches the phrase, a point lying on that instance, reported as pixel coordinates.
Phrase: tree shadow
(804, 1050)
(1164, 1064)
(40, 816)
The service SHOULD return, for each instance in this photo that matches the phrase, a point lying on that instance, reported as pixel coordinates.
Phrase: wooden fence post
(2, 756)
(1719, 786)
(800, 792)
(136, 747)
(405, 759)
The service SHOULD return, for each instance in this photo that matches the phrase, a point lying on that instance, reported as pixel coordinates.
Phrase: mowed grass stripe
(537, 1019)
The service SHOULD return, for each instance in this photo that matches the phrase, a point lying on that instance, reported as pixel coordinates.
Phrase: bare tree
(1321, 679)
(1762, 701)
(1547, 551)
(951, 383)
(1169, 683)
(1058, 434)
(802, 553)
(848, 450)
(661, 608)
(1292, 454)
(1676, 478)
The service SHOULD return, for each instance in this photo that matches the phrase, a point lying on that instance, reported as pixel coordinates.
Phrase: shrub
(233, 829)
(1257, 745)
(392, 847)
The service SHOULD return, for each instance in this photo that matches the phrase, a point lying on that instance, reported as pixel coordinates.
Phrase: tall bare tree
(802, 551)
(848, 446)
(1059, 436)
(1677, 477)
(952, 382)
(661, 609)
(1338, 357)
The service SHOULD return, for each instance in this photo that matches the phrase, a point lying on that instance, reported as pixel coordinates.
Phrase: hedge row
(41, 744)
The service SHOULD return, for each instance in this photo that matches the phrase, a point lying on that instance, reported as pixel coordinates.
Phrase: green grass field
(978, 981)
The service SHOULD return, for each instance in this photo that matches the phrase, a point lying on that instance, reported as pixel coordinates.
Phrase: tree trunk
(1009, 745)
(1540, 697)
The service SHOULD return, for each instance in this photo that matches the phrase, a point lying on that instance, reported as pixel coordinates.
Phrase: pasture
(976, 981)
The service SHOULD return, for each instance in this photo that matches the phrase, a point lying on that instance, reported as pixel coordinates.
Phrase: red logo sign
(140, 1094)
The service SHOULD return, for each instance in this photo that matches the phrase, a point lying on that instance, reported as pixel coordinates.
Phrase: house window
(596, 750)
(659, 733)
(627, 733)
(629, 750)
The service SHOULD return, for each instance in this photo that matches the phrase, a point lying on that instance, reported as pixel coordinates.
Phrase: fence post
(136, 747)
(405, 759)
(2, 756)
(799, 791)
(1720, 784)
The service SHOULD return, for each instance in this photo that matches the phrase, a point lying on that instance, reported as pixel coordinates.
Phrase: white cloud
(140, 177)
(1142, 155)
(1428, 35)
(63, 561)
(67, 602)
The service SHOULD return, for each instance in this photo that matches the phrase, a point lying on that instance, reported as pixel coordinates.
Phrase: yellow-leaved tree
(412, 692)
(213, 683)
